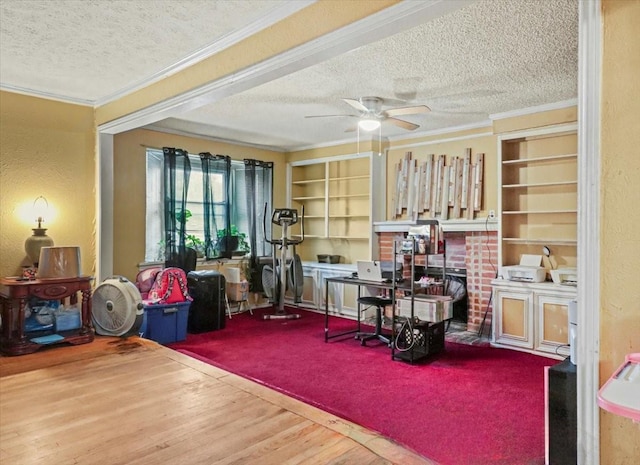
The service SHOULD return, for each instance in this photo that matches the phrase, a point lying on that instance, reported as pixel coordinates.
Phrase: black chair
(186, 260)
(379, 303)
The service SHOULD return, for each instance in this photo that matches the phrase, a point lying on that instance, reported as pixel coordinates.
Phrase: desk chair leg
(377, 334)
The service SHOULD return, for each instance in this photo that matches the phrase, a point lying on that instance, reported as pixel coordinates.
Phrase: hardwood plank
(465, 178)
(428, 182)
(457, 201)
(453, 176)
(436, 196)
(477, 199)
(410, 191)
(472, 191)
(444, 209)
(136, 402)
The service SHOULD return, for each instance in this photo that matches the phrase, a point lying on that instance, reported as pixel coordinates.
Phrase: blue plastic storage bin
(166, 323)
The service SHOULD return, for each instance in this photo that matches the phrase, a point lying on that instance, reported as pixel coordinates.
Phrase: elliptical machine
(292, 274)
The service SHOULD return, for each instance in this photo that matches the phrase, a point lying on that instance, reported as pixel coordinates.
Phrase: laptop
(370, 271)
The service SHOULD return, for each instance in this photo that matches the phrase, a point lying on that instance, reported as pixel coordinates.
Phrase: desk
(13, 340)
(360, 283)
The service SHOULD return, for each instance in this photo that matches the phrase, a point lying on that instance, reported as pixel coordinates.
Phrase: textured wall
(46, 148)
(620, 216)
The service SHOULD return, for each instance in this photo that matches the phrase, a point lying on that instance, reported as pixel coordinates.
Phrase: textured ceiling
(491, 56)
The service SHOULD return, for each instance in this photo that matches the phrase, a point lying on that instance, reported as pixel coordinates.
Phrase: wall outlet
(492, 214)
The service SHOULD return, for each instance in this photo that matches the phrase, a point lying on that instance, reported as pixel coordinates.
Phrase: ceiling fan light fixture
(369, 124)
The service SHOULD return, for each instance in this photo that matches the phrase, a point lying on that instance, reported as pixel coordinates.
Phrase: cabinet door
(336, 294)
(513, 320)
(552, 333)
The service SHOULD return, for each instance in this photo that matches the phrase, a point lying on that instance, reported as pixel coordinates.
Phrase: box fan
(117, 308)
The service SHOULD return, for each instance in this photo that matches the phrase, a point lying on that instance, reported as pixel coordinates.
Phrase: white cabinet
(342, 299)
(532, 317)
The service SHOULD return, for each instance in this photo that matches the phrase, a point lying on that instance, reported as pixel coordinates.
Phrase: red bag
(169, 287)
(145, 279)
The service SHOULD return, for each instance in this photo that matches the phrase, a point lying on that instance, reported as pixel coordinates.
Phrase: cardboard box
(432, 308)
(166, 323)
(238, 292)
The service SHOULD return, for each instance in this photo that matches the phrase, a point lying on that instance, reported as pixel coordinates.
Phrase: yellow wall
(620, 216)
(130, 186)
(46, 148)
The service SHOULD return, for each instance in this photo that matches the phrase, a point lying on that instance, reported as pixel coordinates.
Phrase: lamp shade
(59, 262)
(369, 124)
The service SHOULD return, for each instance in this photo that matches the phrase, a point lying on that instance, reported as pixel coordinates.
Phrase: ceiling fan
(371, 114)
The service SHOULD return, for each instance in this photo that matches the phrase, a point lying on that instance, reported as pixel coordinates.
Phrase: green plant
(183, 213)
(195, 243)
(190, 240)
(243, 245)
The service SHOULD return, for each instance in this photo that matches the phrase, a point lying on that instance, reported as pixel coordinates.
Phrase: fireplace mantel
(479, 224)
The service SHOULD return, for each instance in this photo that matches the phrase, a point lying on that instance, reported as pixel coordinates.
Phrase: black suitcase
(207, 311)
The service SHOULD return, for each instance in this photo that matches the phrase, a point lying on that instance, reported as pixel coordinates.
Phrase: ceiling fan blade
(356, 104)
(403, 124)
(351, 129)
(408, 110)
(331, 116)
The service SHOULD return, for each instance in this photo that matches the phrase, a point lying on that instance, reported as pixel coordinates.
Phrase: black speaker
(562, 414)
(207, 311)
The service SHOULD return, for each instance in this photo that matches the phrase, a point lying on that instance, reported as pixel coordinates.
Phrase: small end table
(15, 293)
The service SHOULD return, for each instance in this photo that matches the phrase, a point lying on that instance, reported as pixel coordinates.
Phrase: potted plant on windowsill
(233, 241)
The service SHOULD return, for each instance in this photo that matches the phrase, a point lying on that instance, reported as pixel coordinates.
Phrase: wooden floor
(133, 401)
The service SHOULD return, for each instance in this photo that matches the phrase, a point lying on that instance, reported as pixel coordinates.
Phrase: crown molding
(46, 95)
(530, 110)
(192, 135)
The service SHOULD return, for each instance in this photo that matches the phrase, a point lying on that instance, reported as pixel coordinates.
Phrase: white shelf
(538, 212)
(308, 181)
(318, 197)
(348, 216)
(350, 178)
(523, 240)
(348, 196)
(540, 184)
(539, 159)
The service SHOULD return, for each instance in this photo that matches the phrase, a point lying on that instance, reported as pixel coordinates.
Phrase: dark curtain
(259, 184)
(177, 170)
(216, 245)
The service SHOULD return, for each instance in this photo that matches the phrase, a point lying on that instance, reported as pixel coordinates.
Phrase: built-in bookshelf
(538, 194)
(336, 195)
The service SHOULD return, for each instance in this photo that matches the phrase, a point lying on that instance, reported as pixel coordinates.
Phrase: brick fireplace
(473, 251)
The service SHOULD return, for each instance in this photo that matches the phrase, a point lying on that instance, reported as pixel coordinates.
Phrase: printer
(529, 270)
(566, 276)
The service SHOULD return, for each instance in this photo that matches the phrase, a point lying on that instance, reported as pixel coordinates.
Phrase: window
(154, 250)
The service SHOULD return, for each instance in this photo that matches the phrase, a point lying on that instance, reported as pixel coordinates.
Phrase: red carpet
(468, 405)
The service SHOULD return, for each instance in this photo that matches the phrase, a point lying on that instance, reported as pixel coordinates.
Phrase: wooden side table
(15, 293)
